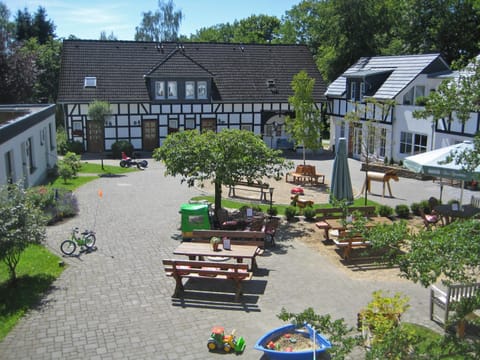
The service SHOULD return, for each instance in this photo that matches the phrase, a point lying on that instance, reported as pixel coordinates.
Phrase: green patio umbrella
(341, 184)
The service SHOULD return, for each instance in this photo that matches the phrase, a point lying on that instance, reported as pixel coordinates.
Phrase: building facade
(155, 89)
(384, 92)
(28, 148)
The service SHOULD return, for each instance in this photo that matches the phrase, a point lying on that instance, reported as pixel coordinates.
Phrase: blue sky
(86, 19)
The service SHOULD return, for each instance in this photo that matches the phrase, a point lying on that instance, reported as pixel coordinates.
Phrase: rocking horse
(301, 202)
(380, 177)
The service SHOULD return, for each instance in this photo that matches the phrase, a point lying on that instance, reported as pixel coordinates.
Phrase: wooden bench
(337, 213)
(347, 242)
(305, 173)
(446, 299)
(250, 186)
(254, 238)
(194, 269)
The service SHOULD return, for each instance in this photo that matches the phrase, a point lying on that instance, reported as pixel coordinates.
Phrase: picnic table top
(205, 249)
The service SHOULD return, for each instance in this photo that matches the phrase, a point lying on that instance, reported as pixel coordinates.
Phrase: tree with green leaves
(160, 25)
(256, 29)
(21, 224)
(98, 111)
(457, 97)
(222, 158)
(306, 127)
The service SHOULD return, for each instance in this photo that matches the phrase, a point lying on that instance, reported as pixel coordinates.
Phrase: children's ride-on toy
(227, 343)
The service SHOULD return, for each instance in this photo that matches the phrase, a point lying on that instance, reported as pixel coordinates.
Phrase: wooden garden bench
(337, 213)
(250, 186)
(446, 299)
(194, 269)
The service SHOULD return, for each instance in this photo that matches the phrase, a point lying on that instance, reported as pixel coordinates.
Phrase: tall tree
(21, 224)
(161, 25)
(217, 157)
(256, 29)
(110, 37)
(23, 25)
(220, 33)
(42, 28)
(306, 127)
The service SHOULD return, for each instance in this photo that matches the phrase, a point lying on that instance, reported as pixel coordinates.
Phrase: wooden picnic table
(450, 212)
(200, 250)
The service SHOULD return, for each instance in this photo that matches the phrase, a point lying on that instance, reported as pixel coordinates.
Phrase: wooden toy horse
(380, 177)
(301, 202)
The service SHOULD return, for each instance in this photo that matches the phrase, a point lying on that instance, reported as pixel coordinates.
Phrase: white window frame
(202, 92)
(353, 90)
(90, 82)
(160, 90)
(189, 89)
(411, 144)
(172, 88)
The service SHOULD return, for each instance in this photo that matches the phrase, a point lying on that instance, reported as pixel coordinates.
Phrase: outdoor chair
(257, 224)
(429, 220)
(271, 229)
(475, 201)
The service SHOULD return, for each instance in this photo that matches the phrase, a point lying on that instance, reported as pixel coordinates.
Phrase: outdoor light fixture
(271, 199)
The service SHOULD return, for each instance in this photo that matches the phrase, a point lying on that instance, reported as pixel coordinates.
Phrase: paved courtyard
(116, 303)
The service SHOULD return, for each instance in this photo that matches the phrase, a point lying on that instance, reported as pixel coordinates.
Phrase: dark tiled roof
(404, 69)
(239, 72)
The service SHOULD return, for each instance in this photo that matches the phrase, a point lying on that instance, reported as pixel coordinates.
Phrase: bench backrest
(206, 268)
(253, 184)
(337, 213)
(256, 238)
(459, 291)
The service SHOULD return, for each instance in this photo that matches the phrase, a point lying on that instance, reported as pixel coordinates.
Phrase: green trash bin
(194, 217)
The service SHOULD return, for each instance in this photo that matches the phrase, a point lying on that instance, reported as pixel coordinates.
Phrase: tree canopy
(160, 25)
(306, 126)
(222, 158)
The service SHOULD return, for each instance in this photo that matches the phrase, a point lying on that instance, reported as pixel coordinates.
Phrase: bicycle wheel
(68, 247)
(90, 240)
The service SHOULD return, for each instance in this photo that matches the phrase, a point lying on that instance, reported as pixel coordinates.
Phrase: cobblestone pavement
(115, 303)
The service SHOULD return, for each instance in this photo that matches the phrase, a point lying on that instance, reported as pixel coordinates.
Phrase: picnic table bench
(346, 242)
(249, 186)
(305, 174)
(194, 269)
(237, 237)
(324, 214)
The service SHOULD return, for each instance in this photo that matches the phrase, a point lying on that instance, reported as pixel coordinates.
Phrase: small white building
(403, 81)
(28, 147)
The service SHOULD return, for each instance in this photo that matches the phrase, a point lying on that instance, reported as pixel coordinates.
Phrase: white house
(155, 89)
(28, 147)
(402, 80)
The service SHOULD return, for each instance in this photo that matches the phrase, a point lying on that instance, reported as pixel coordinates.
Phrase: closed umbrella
(341, 184)
(434, 163)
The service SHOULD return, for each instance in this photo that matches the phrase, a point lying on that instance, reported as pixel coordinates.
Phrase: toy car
(218, 340)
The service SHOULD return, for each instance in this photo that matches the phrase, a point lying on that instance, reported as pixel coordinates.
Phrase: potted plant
(215, 241)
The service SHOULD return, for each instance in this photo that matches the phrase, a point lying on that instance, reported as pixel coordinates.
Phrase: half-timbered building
(155, 89)
(402, 82)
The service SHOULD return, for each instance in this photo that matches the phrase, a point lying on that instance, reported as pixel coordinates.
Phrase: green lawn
(87, 173)
(231, 204)
(36, 271)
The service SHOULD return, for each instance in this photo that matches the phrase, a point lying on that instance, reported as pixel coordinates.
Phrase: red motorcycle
(128, 162)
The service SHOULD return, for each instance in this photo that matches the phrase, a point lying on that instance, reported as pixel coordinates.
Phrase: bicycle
(87, 240)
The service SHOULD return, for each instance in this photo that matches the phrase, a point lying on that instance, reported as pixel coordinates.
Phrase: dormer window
(90, 82)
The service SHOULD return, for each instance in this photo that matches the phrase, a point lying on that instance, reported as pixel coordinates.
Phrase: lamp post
(271, 200)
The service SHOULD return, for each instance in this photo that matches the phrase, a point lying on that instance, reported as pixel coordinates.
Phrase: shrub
(290, 212)
(425, 205)
(75, 147)
(55, 203)
(309, 213)
(385, 160)
(415, 207)
(62, 141)
(392, 162)
(385, 210)
(273, 211)
(400, 162)
(402, 211)
(65, 171)
(73, 160)
(121, 146)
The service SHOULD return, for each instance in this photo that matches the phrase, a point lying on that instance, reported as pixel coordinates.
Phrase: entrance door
(150, 134)
(209, 124)
(357, 141)
(94, 137)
